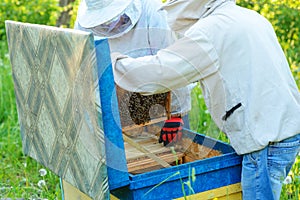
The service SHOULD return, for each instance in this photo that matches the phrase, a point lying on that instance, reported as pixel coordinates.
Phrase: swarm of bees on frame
(138, 109)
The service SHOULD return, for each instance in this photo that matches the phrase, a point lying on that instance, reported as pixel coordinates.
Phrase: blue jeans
(264, 171)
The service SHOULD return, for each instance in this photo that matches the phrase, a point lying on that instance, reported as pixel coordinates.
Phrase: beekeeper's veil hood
(182, 14)
(92, 13)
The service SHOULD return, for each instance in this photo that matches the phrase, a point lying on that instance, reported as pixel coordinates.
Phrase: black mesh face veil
(113, 27)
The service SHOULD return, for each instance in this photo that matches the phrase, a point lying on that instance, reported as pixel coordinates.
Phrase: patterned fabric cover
(56, 86)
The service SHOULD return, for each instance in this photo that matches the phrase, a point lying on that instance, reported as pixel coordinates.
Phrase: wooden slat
(138, 160)
(146, 164)
(145, 151)
(168, 105)
(153, 121)
(151, 144)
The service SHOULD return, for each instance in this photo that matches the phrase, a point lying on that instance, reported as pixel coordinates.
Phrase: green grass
(200, 119)
(19, 174)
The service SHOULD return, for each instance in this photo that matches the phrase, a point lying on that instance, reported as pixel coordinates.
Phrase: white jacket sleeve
(188, 60)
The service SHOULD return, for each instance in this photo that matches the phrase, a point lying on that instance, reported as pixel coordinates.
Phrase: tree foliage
(285, 18)
(47, 12)
(283, 14)
(32, 11)
(66, 14)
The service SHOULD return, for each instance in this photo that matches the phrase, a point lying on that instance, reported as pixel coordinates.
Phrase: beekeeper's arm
(188, 60)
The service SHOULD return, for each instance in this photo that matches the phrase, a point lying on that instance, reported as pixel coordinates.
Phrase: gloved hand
(171, 131)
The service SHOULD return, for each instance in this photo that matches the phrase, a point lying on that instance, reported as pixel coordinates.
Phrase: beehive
(86, 142)
(145, 178)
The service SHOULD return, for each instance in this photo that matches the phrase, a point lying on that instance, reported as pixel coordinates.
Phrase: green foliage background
(19, 174)
(283, 14)
(285, 18)
(33, 11)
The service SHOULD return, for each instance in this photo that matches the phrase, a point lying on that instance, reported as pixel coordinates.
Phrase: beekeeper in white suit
(246, 80)
(135, 28)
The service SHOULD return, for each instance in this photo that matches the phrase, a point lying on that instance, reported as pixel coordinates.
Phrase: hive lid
(56, 86)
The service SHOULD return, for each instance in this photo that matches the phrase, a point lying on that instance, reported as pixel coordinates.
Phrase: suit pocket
(234, 119)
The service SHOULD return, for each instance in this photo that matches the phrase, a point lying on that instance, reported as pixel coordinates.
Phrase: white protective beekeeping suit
(235, 55)
(144, 32)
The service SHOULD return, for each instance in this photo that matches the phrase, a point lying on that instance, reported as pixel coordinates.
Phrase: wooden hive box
(143, 177)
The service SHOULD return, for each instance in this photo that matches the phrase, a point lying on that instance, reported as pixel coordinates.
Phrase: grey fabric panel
(56, 87)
